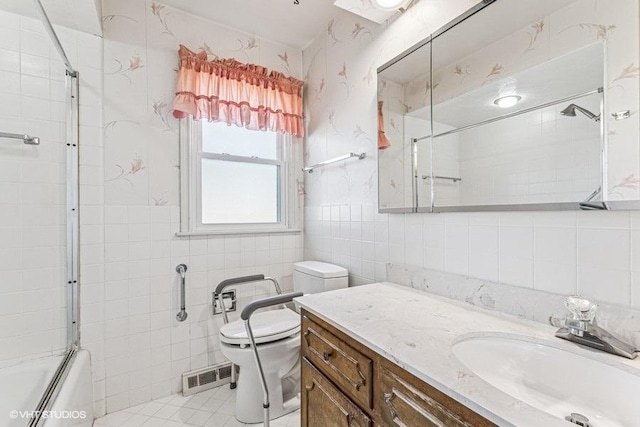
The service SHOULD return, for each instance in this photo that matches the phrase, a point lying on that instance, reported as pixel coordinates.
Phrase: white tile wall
(32, 205)
(364, 248)
(144, 349)
(128, 248)
(538, 157)
(592, 253)
(507, 162)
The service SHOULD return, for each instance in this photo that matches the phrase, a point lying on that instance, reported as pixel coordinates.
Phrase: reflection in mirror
(534, 105)
(526, 151)
(406, 81)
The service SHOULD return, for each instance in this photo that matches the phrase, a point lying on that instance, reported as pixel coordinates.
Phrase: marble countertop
(417, 330)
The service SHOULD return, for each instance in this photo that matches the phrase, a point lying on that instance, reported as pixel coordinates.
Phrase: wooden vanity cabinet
(325, 405)
(402, 399)
(344, 383)
(348, 368)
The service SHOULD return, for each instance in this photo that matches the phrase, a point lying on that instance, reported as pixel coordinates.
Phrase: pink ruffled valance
(245, 95)
(383, 141)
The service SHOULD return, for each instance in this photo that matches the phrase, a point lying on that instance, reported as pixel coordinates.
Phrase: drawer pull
(326, 354)
(363, 379)
(403, 398)
(388, 397)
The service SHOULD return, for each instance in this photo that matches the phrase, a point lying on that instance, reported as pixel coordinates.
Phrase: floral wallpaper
(546, 38)
(145, 359)
(340, 68)
(140, 62)
(565, 30)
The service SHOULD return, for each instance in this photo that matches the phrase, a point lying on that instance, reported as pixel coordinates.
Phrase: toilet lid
(320, 269)
(267, 326)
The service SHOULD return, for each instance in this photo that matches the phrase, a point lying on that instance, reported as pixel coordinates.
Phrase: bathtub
(22, 386)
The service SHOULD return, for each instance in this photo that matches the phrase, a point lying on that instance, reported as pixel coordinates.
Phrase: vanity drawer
(349, 369)
(403, 400)
(324, 405)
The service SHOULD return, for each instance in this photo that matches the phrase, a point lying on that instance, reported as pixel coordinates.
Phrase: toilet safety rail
(246, 317)
(239, 281)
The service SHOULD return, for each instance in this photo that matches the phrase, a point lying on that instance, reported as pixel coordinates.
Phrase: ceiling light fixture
(388, 4)
(507, 101)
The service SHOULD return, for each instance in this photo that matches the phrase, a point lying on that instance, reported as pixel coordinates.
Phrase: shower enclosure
(39, 211)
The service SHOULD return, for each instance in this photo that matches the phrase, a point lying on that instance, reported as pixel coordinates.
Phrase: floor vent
(224, 372)
(193, 381)
(204, 379)
(208, 377)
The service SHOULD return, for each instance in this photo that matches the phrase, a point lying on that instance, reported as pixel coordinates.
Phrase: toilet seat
(267, 326)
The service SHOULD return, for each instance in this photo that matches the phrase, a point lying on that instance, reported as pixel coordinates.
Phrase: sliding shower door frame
(72, 143)
(73, 208)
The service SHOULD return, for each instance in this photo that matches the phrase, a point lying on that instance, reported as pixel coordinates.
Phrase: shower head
(570, 111)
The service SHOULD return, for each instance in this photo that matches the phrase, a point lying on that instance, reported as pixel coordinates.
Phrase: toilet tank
(312, 277)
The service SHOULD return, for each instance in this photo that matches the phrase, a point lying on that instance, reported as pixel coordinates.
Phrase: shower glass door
(33, 196)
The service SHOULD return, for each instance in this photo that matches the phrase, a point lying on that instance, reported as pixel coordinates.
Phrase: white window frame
(191, 155)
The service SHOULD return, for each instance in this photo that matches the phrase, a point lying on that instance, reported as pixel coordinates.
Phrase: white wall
(395, 177)
(129, 201)
(32, 246)
(538, 157)
(593, 253)
(129, 196)
(446, 153)
(141, 350)
(33, 181)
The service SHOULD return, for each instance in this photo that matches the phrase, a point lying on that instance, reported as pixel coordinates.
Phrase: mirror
(536, 112)
(402, 87)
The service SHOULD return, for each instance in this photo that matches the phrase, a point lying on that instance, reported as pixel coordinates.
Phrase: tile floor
(211, 408)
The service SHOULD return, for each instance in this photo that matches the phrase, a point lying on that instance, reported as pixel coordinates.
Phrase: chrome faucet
(581, 327)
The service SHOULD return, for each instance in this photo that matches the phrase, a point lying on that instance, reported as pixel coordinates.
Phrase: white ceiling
(574, 73)
(280, 21)
(366, 9)
(81, 15)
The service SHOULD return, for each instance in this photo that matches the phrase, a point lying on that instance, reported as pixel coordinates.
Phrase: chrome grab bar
(27, 139)
(310, 169)
(246, 316)
(182, 315)
(239, 281)
(450, 178)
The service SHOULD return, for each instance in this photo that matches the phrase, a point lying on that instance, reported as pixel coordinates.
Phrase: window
(236, 179)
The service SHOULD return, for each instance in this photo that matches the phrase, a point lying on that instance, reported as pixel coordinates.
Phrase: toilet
(277, 335)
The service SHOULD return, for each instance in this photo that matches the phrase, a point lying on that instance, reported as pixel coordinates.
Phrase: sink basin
(554, 380)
